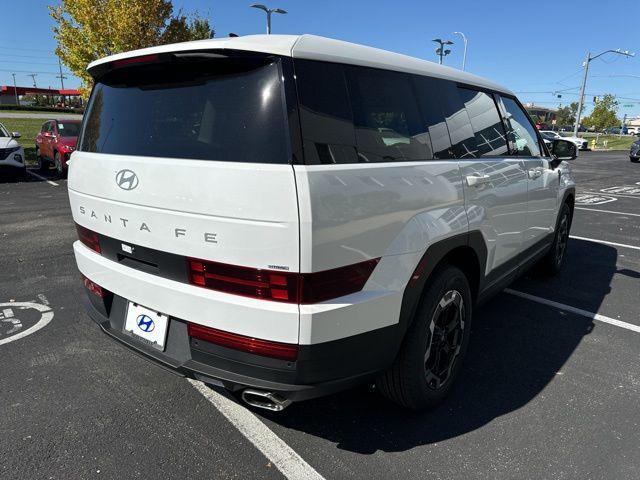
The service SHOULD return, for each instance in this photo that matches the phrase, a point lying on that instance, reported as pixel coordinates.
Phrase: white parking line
(42, 178)
(604, 242)
(285, 459)
(578, 311)
(609, 211)
(587, 192)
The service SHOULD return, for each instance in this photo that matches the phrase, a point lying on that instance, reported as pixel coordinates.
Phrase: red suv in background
(55, 142)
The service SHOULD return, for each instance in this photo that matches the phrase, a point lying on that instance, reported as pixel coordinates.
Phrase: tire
(634, 159)
(57, 161)
(43, 165)
(417, 380)
(552, 262)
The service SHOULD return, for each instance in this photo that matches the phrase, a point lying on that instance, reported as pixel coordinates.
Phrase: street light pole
(584, 82)
(268, 11)
(441, 51)
(464, 56)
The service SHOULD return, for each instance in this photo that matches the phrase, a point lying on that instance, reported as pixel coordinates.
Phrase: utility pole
(15, 89)
(464, 56)
(33, 77)
(61, 77)
(268, 11)
(584, 81)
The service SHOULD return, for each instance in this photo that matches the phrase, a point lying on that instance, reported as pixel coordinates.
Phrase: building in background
(49, 96)
(544, 117)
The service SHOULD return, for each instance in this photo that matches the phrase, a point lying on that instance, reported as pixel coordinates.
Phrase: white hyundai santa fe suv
(289, 216)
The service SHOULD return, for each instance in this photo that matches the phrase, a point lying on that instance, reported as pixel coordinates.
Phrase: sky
(535, 48)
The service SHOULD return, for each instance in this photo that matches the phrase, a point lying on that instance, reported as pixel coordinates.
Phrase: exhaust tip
(264, 400)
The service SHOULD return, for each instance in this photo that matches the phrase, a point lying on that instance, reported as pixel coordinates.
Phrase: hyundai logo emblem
(145, 323)
(126, 179)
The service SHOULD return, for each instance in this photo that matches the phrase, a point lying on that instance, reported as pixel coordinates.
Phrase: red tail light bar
(283, 351)
(89, 238)
(133, 60)
(303, 288)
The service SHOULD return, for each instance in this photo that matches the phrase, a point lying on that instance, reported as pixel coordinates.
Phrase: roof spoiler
(101, 69)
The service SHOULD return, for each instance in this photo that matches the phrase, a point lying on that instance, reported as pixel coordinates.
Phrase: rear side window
(463, 140)
(387, 119)
(325, 113)
(486, 123)
(428, 93)
(520, 132)
(223, 109)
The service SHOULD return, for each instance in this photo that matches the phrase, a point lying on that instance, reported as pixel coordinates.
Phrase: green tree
(603, 114)
(87, 30)
(567, 115)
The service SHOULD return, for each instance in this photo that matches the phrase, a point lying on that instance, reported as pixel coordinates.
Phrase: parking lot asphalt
(547, 391)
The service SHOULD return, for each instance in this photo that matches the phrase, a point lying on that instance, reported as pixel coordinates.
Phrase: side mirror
(563, 150)
(15, 134)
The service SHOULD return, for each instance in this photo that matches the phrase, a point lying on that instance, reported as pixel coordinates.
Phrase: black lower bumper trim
(326, 368)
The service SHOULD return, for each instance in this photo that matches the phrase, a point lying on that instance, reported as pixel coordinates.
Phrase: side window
(486, 123)
(325, 113)
(520, 132)
(463, 140)
(435, 127)
(45, 127)
(386, 116)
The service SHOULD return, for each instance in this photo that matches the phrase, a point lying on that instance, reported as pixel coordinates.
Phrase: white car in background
(549, 136)
(11, 152)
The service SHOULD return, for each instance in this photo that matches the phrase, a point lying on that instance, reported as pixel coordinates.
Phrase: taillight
(279, 286)
(89, 238)
(337, 282)
(93, 287)
(249, 282)
(283, 351)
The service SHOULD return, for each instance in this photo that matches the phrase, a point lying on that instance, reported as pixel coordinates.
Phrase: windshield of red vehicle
(68, 129)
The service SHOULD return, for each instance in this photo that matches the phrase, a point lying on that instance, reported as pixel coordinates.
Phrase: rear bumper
(320, 369)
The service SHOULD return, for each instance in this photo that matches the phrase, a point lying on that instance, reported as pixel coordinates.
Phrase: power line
(25, 49)
(28, 62)
(26, 56)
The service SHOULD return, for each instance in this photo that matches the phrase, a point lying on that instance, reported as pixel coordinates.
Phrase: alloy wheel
(563, 239)
(445, 339)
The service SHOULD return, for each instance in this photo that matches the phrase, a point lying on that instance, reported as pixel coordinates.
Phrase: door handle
(477, 180)
(535, 173)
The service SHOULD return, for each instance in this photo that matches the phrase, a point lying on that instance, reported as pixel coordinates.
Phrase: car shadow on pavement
(517, 348)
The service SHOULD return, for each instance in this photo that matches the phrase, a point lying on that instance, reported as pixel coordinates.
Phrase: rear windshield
(227, 109)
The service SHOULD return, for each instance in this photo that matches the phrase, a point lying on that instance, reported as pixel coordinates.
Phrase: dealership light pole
(464, 56)
(584, 81)
(268, 11)
(441, 51)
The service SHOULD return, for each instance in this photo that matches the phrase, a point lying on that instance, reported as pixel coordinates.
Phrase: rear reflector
(283, 351)
(133, 60)
(89, 238)
(93, 287)
(280, 286)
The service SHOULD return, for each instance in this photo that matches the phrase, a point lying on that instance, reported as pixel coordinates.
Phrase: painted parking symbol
(589, 199)
(20, 319)
(626, 189)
